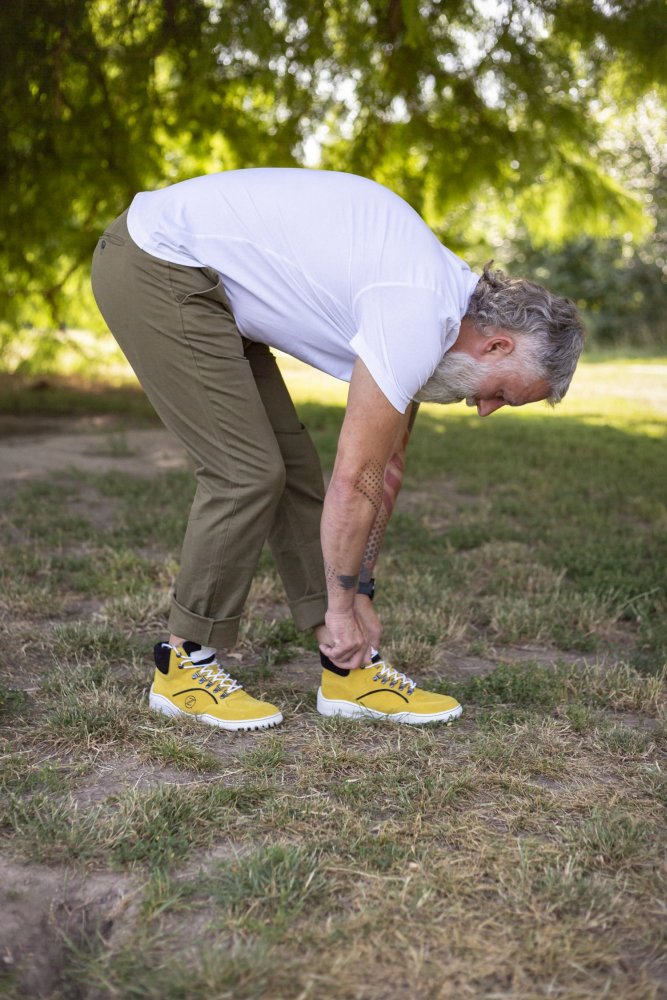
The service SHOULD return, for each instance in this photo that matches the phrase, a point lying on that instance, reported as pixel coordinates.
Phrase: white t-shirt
(324, 266)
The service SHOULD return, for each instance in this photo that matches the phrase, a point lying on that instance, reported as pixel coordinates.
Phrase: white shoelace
(387, 674)
(209, 673)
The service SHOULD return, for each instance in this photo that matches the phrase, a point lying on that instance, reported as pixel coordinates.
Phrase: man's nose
(486, 406)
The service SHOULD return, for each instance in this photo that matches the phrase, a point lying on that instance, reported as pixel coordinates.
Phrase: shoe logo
(189, 702)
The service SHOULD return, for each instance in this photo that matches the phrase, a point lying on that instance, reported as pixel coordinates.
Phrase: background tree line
(528, 130)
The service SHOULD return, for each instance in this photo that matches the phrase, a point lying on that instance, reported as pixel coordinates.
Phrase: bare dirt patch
(46, 909)
(94, 444)
(439, 506)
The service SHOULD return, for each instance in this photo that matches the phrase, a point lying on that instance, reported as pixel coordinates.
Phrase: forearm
(393, 480)
(350, 511)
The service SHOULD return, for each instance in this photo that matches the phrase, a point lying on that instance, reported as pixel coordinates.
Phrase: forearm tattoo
(369, 484)
(393, 479)
(346, 581)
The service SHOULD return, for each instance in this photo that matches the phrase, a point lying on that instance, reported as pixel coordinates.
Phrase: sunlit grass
(84, 354)
(628, 394)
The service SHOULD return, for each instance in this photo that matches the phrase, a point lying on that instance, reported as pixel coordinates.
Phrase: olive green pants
(258, 474)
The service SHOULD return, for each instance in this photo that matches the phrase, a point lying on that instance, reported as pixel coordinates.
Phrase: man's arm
(353, 502)
(393, 480)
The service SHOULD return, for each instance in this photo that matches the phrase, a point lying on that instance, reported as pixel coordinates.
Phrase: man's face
(508, 388)
(492, 369)
(487, 383)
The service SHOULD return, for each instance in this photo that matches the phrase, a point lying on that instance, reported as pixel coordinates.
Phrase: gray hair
(548, 327)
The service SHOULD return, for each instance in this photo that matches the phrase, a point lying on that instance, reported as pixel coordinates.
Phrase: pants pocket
(109, 237)
(193, 282)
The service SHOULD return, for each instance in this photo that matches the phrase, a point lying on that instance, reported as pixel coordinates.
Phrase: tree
(447, 101)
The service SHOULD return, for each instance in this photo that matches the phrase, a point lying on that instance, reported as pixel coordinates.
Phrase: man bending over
(197, 282)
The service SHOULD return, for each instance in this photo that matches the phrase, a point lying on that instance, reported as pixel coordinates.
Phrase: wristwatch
(367, 588)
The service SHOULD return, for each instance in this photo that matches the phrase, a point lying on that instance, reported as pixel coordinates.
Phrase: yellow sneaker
(378, 691)
(190, 681)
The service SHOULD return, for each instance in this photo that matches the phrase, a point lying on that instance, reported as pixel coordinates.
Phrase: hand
(368, 620)
(349, 647)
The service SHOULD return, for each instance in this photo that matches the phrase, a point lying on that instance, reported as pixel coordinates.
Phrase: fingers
(348, 661)
(348, 657)
(349, 645)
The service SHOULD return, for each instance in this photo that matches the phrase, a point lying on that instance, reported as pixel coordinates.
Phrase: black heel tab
(328, 665)
(161, 655)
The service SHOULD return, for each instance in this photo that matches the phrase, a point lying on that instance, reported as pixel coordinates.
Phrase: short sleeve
(402, 333)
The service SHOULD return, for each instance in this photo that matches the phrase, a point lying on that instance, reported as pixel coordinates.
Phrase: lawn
(518, 853)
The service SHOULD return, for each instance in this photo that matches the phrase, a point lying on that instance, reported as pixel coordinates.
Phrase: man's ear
(500, 344)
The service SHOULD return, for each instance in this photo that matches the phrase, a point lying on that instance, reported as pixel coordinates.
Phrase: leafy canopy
(446, 101)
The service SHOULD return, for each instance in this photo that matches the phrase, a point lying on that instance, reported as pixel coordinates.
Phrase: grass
(515, 854)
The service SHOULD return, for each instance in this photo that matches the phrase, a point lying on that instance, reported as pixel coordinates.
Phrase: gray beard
(457, 377)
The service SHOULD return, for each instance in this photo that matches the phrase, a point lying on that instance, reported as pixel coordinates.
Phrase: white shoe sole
(348, 709)
(158, 703)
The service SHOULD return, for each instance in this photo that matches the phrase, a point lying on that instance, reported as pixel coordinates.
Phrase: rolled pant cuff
(308, 612)
(220, 633)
